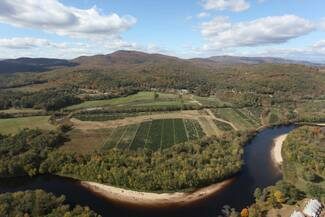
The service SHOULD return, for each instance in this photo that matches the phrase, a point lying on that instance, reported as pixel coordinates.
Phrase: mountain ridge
(124, 58)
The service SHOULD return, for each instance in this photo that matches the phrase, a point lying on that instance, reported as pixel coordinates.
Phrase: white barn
(313, 208)
(297, 214)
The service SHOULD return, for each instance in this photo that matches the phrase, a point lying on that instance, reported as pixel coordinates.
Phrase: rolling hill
(32, 65)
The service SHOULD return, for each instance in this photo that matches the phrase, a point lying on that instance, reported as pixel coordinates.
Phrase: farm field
(19, 111)
(84, 142)
(243, 119)
(210, 101)
(136, 100)
(154, 135)
(13, 125)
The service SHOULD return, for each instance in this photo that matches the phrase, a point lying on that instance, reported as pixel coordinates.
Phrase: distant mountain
(137, 61)
(32, 65)
(231, 60)
(123, 58)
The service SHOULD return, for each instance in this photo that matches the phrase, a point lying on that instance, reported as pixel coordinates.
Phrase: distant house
(184, 91)
(297, 214)
(313, 208)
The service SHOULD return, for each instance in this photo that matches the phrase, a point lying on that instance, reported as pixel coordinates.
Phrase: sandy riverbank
(276, 150)
(153, 199)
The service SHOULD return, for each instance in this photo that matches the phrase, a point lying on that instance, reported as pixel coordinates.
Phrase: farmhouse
(313, 208)
(297, 214)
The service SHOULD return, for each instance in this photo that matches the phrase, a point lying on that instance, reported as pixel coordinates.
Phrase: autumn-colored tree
(244, 212)
(279, 196)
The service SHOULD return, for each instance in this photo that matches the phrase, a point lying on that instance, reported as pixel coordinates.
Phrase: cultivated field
(85, 142)
(154, 135)
(141, 99)
(210, 101)
(243, 119)
(13, 125)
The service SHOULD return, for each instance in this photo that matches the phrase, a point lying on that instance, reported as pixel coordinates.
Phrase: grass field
(13, 125)
(154, 135)
(210, 101)
(19, 111)
(136, 100)
(85, 142)
(243, 119)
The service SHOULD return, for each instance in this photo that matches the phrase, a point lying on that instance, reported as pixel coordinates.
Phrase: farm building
(297, 214)
(313, 208)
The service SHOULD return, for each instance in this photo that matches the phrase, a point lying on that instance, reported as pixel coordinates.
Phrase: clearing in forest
(14, 125)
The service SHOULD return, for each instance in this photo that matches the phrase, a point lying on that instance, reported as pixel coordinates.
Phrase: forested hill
(123, 59)
(32, 65)
(125, 72)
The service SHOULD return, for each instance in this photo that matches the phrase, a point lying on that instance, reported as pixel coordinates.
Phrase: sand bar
(276, 150)
(153, 199)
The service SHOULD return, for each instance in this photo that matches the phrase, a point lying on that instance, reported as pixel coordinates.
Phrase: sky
(293, 29)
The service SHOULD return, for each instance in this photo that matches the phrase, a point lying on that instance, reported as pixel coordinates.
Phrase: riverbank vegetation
(178, 167)
(39, 203)
(23, 153)
(182, 166)
(303, 168)
(304, 160)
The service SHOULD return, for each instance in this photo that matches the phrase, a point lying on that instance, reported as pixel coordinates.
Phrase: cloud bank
(221, 5)
(54, 17)
(221, 33)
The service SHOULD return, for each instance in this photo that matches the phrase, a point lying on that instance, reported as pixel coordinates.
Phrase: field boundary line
(174, 131)
(197, 132)
(162, 133)
(221, 120)
(148, 133)
(108, 137)
(247, 119)
(134, 136)
(121, 137)
(184, 125)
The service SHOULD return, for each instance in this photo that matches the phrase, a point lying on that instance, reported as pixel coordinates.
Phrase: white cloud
(38, 47)
(52, 16)
(312, 53)
(202, 15)
(221, 5)
(221, 33)
(321, 24)
(23, 43)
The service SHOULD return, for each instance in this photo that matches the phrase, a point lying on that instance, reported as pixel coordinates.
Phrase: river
(259, 171)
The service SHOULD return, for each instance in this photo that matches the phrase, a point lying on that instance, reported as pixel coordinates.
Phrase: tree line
(182, 166)
(39, 203)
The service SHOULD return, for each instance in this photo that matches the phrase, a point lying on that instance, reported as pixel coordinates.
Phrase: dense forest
(49, 100)
(304, 160)
(39, 203)
(182, 166)
(23, 153)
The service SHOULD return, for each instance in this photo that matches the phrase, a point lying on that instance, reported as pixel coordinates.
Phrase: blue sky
(292, 29)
